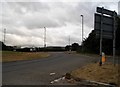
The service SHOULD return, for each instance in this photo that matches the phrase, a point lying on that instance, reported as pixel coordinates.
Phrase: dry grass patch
(9, 56)
(107, 73)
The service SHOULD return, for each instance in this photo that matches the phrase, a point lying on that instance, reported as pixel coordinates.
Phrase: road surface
(37, 72)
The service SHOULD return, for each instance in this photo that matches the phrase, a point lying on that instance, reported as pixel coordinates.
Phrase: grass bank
(107, 73)
(10, 56)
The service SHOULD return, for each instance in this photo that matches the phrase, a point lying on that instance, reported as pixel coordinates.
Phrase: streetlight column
(82, 31)
(44, 37)
(82, 28)
(69, 40)
(4, 35)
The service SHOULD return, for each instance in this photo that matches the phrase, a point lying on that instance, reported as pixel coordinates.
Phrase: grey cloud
(28, 6)
(39, 22)
(25, 32)
(52, 14)
(24, 18)
(55, 16)
(22, 40)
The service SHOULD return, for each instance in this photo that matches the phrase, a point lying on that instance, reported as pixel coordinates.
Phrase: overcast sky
(25, 21)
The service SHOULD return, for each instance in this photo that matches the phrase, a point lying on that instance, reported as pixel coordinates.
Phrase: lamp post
(44, 37)
(69, 44)
(69, 40)
(4, 35)
(82, 30)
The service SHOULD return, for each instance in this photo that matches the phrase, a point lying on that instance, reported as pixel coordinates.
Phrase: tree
(3, 46)
(75, 46)
(67, 48)
(91, 44)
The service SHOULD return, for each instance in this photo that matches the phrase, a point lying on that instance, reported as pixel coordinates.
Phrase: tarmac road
(37, 72)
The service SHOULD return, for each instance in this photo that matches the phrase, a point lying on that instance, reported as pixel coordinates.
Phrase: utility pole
(82, 30)
(4, 35)
(69, 40)
(69, 44)
(44, 37)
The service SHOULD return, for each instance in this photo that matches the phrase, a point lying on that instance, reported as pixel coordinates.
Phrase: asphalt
(37, 72)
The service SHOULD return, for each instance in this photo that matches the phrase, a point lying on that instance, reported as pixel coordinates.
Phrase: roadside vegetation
(107, 73)
(10, 56)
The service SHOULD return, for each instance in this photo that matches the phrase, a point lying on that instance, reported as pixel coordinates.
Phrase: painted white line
(52, 74)
(57, 80)
(100, 83)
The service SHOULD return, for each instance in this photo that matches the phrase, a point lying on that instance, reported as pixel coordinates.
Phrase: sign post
(114, 37)
(105, 27)
(101, 30)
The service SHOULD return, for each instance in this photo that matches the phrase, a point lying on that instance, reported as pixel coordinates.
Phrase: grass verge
(107, 73)
(10, 56)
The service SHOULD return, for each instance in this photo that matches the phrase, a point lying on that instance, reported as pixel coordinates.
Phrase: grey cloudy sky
(24, 21)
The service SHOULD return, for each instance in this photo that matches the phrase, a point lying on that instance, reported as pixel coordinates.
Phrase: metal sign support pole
(101, 31)
(114, 37)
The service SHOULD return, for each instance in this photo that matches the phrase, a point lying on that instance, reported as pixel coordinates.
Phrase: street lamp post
(69, 44)
(44, 37)
(82, 31)
(4, 35)
(69, 40)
